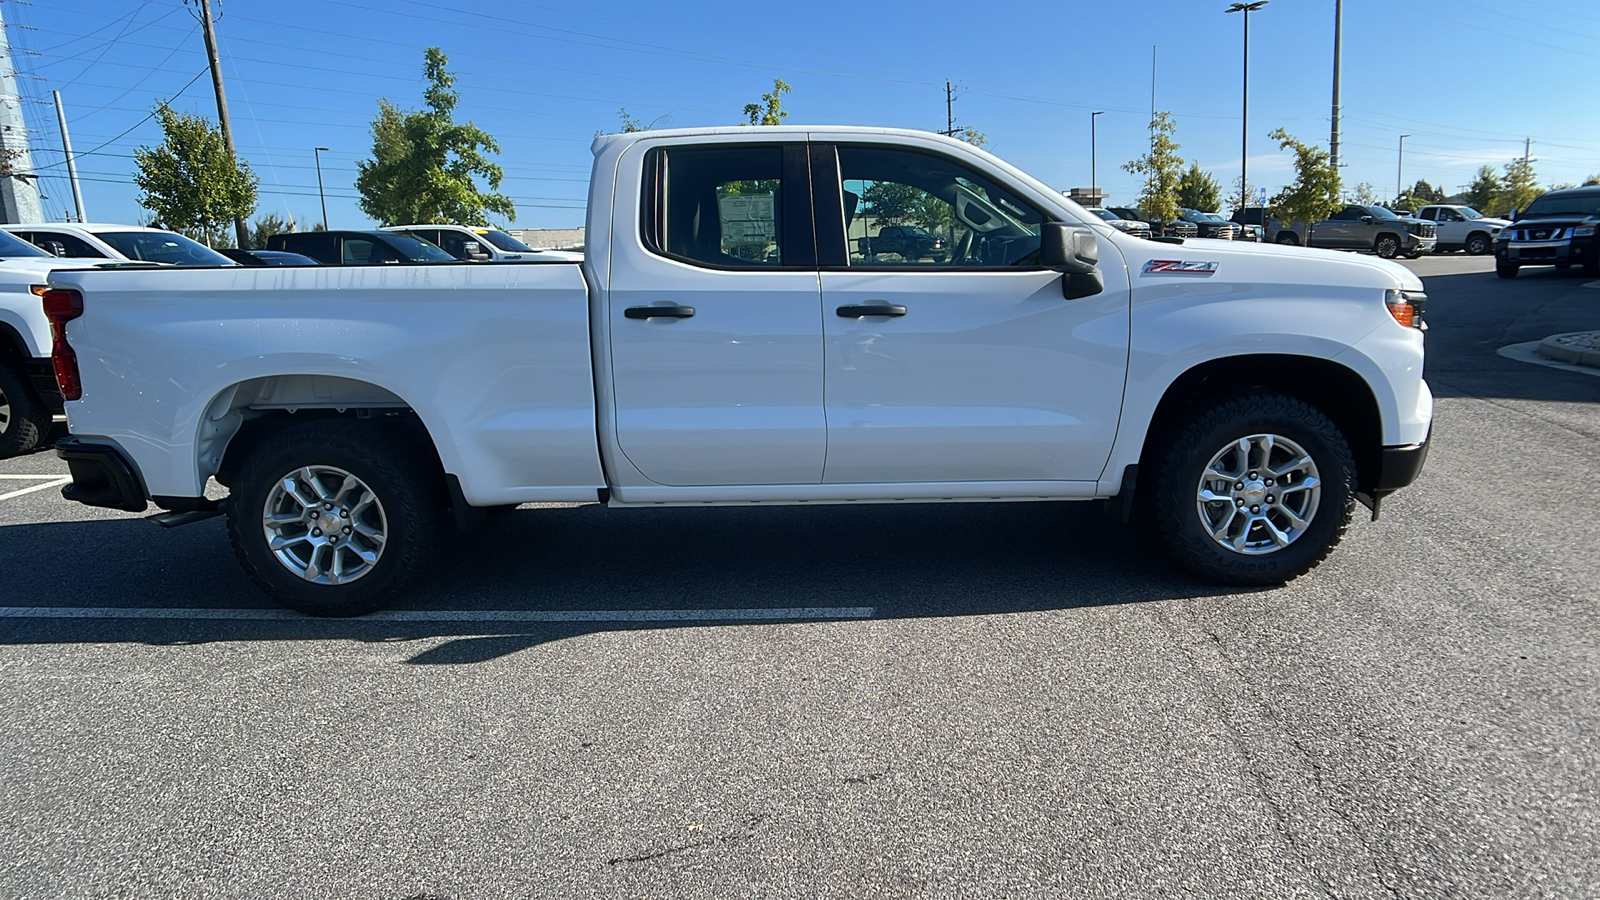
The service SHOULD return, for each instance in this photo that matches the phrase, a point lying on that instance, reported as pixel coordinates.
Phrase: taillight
(60, 307)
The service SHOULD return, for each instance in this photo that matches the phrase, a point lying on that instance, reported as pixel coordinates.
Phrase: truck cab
(480, 244)
(1463, 228)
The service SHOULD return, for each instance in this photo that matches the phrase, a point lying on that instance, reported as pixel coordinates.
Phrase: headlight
(1583, 231)
(1405, 306)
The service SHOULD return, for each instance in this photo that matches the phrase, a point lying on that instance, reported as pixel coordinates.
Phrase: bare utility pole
(72, 162)
(1244, 98)
(1338, 31)
(949, 110)
(19, 194)
(240, 228)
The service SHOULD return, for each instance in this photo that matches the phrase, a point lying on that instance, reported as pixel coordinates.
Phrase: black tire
(1177, 512)
(1563, 265)
(1506, 270)
(1287, 237)
(24, 420)
(1387, 246)
(409, 501)
(1478, 244)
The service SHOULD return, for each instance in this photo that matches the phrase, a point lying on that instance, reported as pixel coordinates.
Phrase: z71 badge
(1179, 267)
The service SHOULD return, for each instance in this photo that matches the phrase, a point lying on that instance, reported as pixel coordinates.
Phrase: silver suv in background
(471, 242)
(1137, 229)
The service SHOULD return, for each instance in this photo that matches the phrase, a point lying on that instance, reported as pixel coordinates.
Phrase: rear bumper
(101, 476)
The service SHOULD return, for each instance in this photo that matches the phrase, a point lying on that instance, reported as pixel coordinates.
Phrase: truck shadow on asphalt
(902, 561)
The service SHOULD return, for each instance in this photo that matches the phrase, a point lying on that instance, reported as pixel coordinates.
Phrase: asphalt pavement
(971, 700)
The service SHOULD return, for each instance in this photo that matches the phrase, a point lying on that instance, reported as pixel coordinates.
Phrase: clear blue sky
(543, 77)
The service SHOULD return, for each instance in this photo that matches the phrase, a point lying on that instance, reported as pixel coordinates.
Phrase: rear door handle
(862, 312)
(658, 312)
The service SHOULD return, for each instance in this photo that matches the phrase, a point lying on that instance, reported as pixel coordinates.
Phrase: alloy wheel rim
(325, 525)
(1258, 494)
(5, 412)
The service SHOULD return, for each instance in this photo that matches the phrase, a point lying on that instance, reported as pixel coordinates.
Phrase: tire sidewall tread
(1177, 523)
(372, 452)
(30, 420)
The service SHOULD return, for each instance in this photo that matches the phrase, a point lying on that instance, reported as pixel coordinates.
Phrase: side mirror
(54, 248)
(1075, 251)
(1366, 220)
(475, 251)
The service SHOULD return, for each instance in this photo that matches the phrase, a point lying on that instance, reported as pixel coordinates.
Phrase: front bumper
(101, 476)
(1397, 467)
(1537, 253)
(1419, 244)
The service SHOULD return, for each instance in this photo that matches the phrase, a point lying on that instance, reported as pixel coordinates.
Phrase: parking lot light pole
(1400, 167)
(317, 152)
(1094, 186)
(1244, 94)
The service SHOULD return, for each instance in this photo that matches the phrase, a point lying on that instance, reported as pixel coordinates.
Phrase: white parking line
(53, 482)
(450, 615)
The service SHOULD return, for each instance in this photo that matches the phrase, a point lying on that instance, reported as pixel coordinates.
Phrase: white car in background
(471, 242)
(1463, 228)
(134, 243)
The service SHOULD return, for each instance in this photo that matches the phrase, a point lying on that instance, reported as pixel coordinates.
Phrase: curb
(1578, 347)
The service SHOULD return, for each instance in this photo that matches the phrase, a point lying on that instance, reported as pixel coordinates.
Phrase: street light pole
(1400, 167)
(1094, 186)
(1244, 93)
(317, 152)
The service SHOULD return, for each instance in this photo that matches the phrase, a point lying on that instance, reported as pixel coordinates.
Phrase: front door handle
(862, 312)
(658, 312)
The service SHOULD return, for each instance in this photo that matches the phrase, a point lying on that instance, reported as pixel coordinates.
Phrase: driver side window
(906, 208)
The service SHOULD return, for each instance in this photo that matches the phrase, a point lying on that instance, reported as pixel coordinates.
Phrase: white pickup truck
(1240, 398)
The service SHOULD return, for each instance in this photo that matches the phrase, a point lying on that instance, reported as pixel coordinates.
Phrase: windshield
(1378, 212)
(1105, 214)
(505, 241)
(12, 246)
(417, 250)
(1584, 204)
(163, 247)
(1468, 212)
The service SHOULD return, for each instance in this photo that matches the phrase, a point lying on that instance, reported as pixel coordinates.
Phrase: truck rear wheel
(24, 420)
(331, 518)
(1255, 491)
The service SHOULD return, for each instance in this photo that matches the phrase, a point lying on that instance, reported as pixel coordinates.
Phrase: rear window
(12, 246)
(163, 247)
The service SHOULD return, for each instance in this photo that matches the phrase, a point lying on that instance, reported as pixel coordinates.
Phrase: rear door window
(738, 206)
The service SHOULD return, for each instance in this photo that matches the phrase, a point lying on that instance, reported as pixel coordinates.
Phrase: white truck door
(715, 319)
(978, 369)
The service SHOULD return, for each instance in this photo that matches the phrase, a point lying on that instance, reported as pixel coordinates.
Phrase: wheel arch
(1337, 390)
(242, 415)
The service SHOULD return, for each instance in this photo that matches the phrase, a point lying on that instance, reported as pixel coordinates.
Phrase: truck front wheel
(24, 420)
(1386, 246)
(333, 518)
(1506, 270)
(1255, 491)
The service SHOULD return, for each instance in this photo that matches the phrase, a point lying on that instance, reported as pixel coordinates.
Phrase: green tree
(972, 136)
(1314, 195)
(1484, 192)
(1162, 169)
(770, 110)
(425, 165)
(1417, 196)
(1236, 193)
(266, 226)
(1199, 190)
(1518, 188)
(190, 182)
